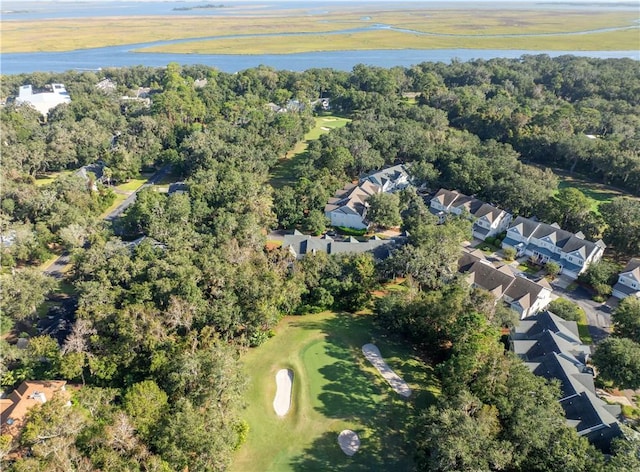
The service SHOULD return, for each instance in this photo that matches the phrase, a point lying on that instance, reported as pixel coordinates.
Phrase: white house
(628, 281)
(488, 221)
(44, 101)
(544, 243)
(521, 294)
(390, 179)
(348, 207)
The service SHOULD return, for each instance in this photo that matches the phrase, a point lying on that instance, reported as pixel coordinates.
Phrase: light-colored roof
(45, 101)
(632, 269)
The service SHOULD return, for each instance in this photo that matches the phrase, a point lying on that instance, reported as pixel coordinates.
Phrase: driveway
(56, 269)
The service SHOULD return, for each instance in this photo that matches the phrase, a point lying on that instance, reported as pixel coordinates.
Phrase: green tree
(146, 404)
(552, 268)
(384, 209)
(462, 435)
(622, 216)
(566, 309)
(601, 276)
(509, 253)
(626, 319)
(23, 291)
(618, 360)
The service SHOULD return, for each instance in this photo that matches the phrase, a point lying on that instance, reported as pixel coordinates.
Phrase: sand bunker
(372, 353)
(349, 442)
(284, 384)
(324, 128)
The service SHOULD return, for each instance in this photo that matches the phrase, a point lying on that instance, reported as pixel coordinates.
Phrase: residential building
(628, 281)
(348, 207)
(301, 244)
(44, 102)
(521, 294)
(488, 220)
(106, 85)
(551, 348)
(543, 243)
(92, 174)
(390, 179)
(14, 408)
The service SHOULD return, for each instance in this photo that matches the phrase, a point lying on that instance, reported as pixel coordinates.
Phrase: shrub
(350, 231)
(509, 253)
(490, 240)
(566, 309)
(553, 268)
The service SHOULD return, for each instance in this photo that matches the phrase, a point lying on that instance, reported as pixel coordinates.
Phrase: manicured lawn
(583, 328)
(132, 185)
(334, 388)
(487, 248)
(529, 269)
(597, 193)
(284, 173)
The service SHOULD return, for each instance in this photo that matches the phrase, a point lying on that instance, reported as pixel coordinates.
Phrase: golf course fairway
(334, 388)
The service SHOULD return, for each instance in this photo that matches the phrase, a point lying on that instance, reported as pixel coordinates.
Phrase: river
(121, 56)
(126, 55)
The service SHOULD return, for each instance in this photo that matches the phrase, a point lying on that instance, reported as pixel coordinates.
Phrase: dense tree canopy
(161, 303)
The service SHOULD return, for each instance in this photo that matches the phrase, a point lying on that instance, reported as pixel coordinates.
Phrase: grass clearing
(284, 173)
(454, 27)
(334, 388)
(50, 177)
(597, 193)
(132, 185)
(583, 329)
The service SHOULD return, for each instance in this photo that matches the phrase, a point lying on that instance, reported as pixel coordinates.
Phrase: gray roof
(546, 321)
(525, 226)
(625, 289)
(552, 350)
(593, 418)
(565, 240)
(632, 268)
(301, 245)
(389, 174)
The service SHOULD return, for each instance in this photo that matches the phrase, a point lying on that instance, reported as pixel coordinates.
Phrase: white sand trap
(372, 353)
(284, 384)
(324, 128)
(349, 442)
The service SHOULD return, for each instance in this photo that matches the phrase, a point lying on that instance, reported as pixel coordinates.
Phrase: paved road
(598, 314)
(155, 178)
(56, 269)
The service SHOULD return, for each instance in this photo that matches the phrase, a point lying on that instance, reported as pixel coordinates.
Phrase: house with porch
(488, 220)
(628, 284)
(544, 242)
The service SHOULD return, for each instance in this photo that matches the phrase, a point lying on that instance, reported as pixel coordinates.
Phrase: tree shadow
(353, 391)
(325, 454)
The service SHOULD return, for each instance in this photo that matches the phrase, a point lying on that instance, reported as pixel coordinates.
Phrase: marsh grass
(461, 29)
